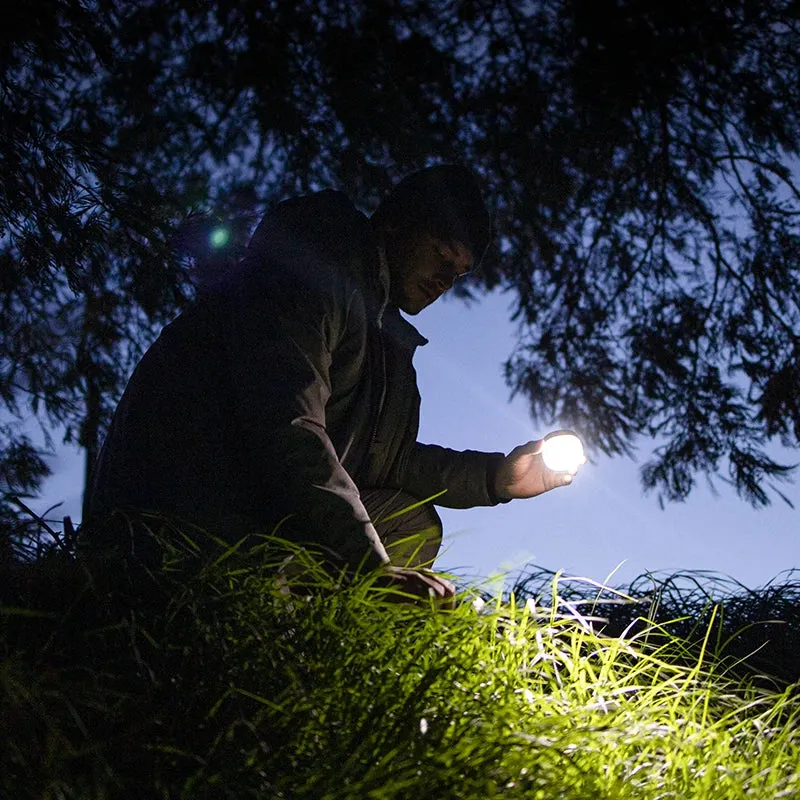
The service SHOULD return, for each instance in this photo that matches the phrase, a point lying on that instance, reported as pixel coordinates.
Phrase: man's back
(221, 420)
(288, 393)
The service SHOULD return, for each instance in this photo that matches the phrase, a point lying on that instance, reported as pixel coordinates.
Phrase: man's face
(423, 268)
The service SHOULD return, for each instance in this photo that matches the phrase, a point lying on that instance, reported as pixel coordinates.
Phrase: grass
(208, 678)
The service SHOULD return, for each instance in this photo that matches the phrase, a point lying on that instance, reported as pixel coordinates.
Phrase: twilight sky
(601, 521)
(603, 518)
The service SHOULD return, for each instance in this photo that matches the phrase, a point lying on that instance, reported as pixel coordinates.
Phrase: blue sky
(602, 519)
(589, 528)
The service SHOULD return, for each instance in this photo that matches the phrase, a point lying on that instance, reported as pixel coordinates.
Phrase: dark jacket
(282, 390)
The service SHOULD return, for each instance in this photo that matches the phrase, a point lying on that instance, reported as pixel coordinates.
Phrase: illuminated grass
(214, 682)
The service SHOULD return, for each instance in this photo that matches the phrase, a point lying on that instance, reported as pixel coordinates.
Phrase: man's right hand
(419, 583)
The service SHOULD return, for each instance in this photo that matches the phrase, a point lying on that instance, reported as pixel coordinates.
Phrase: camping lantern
(562, 451)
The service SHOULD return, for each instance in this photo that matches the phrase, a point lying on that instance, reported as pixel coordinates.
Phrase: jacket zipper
(376, 426)
(383, 279)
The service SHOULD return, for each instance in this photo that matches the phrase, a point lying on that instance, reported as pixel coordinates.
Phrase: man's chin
(412, 303)
(413, 307)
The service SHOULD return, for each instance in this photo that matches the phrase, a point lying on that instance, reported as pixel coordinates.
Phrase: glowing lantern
(562, 451)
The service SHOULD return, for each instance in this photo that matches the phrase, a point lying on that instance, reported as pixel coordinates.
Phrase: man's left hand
(523, 474)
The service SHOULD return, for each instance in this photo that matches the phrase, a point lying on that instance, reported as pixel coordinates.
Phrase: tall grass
(214, 676)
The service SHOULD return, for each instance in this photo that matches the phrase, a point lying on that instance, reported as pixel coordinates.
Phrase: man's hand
(523, 474)
(419, 583)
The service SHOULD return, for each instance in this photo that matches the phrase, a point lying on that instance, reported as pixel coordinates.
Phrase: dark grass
(756, 632)
(209, 676)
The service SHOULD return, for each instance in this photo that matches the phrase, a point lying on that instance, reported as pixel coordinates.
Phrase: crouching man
(287, 391)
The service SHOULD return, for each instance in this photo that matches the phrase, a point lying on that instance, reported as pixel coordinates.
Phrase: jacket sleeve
(281, 327)
(467, 476)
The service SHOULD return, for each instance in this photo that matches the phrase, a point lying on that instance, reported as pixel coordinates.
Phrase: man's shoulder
(330, 201)
(333, 201)
(326, 220)
(320, 244)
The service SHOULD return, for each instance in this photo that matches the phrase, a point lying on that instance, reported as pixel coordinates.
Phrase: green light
(219, 237)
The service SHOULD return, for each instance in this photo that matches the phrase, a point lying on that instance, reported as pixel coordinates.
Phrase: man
(287, 394)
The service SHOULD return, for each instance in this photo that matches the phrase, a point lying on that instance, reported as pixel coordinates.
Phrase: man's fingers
(534, 446)
(448, 590)
(422, 584)
(441, 592)
(440, 587)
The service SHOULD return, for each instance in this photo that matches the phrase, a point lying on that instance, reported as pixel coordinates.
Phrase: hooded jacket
(283, 389)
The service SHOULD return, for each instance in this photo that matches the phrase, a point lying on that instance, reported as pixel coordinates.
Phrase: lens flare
(219, 237)
(562, 451)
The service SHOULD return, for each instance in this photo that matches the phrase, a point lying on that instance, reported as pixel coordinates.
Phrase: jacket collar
(404, 333)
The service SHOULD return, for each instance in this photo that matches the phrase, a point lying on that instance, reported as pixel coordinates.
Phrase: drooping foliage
(640, 160)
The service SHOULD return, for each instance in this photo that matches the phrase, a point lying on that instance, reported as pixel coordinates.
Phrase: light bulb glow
(563, 452)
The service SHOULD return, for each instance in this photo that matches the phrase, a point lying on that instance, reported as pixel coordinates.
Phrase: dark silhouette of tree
(655, 255)
(640, 159)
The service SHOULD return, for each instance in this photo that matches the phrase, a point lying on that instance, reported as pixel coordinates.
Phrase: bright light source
(562, 451)
(219, 237)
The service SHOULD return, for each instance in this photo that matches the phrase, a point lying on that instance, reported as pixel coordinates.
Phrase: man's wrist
(495, 497)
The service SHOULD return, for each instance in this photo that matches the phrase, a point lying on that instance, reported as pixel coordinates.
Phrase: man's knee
(411, 532)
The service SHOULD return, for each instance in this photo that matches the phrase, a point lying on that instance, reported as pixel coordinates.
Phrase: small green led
(219, 237)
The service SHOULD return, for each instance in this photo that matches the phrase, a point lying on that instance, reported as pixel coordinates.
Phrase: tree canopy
(640, 160)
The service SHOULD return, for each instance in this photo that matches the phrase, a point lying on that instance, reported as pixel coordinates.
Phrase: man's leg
(411, 538)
